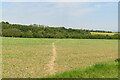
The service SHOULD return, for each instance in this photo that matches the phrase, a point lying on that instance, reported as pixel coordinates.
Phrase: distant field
(100, 33)
(36, 57)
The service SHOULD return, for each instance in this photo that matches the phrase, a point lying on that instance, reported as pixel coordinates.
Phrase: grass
(23, 57)
(75, 53)
(28, 57)
(101, 70)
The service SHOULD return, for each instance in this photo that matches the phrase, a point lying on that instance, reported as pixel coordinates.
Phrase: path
(51, 64)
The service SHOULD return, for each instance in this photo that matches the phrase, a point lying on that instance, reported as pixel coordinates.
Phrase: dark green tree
(12, 32)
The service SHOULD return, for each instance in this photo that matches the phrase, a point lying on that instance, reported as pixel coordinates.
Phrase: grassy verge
(101, 70)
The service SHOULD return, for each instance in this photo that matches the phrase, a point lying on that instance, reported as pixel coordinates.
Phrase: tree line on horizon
(41, 31)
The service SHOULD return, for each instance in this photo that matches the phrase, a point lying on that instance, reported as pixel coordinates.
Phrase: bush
(117, 60)
(27, 34)
(40, 31)
(12, 32)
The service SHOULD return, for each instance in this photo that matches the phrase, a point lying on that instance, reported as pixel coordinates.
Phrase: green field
(40, 57)
(101, 70)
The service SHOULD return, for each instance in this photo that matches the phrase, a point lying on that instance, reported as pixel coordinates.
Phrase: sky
(60, 0)
(78, 15)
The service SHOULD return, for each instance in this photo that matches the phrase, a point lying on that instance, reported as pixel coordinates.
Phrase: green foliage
(117, 60)
(12, 32)
(101, 70)
(41, 31)
(27, 34)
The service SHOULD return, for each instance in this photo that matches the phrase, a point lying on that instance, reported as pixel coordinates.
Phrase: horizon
(61, 26)
(75, 15)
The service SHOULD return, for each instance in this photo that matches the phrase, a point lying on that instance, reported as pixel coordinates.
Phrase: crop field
(40, 57)
(100, 33)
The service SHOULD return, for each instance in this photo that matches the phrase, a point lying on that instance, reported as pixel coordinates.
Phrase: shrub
(12, 32)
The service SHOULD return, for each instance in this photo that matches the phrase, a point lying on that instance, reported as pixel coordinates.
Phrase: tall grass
(101, 70)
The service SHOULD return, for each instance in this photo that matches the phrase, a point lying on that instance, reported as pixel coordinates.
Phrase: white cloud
(69, 5)
(70, 9)
(105, 5)
(81, 12)
(73, 9)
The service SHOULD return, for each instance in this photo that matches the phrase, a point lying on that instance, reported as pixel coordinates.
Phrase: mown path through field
(51, 63)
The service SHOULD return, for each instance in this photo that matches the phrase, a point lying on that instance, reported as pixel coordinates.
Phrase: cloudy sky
(59, 0)
(81, 15)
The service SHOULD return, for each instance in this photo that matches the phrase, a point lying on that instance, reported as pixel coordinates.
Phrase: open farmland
(35, 58)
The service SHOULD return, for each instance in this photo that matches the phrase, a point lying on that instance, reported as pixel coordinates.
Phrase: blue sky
(81, 15)
(60, 0)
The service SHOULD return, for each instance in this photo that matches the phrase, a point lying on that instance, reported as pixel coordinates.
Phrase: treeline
(100, 31)
(41, 31)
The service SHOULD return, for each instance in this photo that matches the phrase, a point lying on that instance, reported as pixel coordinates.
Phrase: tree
(41, 31)
(11, 32)
(27, 34)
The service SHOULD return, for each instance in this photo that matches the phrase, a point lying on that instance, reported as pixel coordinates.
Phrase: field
(100, 70)
(37, 57)
(100, 33)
